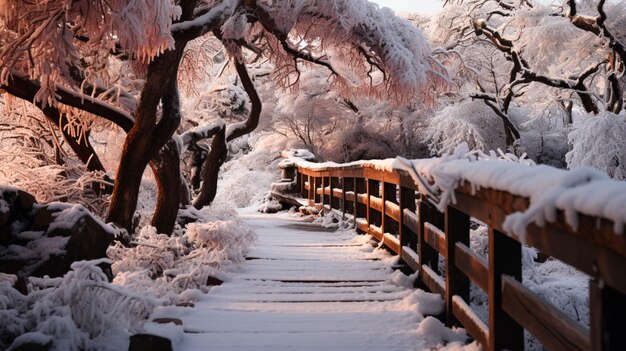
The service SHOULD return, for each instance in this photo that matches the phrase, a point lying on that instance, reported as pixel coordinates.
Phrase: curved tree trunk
(26, 89)
(215, 160)
(219, 149)
(166, 167)
(146, 137)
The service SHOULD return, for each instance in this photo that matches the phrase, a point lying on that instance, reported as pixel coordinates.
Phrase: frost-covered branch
(194, 135)
(21, 86)
(237, 130)
(597, 26)
(207, 21)
(522, 68)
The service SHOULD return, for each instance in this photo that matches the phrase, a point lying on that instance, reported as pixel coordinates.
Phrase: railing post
(505, 257)
(347, 185)
(407, 201)
(331, 197)
(607, 308)
(360, 210)
(427, 213)
(324, 198)
(457, 231)
(373, 189)
(389, 194)
(334, 201)
(303, 180)
(317, 181)
(298, 179)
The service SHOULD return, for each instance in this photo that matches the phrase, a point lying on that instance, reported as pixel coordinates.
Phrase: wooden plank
(392, 210)
(362, 198)
(578, 252)
(349, 196)
(399, 177)
(327, 192)
(411, 221)
(435, 238)
(428, 256)
(337, 193)
(347, 189)
(297, 177)
(470, 321)
(376, 203)
(433, 281)
(474, 266)
(323, 185)
(376, 232)
(602, 229)
(593, 251)
(553, 328)
(361, 224)
(457, 226)
(407, 233)
(360, 206)
(373, 190)
(607, 310)
(317, 191)
(286, 200)
(389, 195)
(505, 257)
(391, 242)
(410, 258)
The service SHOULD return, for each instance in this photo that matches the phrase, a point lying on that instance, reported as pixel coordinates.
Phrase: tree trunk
(166, 169)
(166, 166)
(219, 149)
(217, 156)
(146, 137)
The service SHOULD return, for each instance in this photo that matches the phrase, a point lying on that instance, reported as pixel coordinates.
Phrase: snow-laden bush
(80, 311)
(84, 311)
(245, 178)
(167, 266)
(546, 147)
(471, 122)
(599, 142)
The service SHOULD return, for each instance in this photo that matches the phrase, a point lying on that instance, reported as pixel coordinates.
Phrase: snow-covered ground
(308, 288)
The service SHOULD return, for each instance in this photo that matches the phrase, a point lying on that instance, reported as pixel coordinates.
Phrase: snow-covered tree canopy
(121, 59)
(559, 61)
(365, 49)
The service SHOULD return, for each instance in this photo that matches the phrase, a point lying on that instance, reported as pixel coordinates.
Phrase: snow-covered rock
(39, 240)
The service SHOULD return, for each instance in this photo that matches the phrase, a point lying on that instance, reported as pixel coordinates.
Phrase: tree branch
(237, 130)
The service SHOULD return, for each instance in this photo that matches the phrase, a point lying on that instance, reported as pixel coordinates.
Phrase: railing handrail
(386, 202)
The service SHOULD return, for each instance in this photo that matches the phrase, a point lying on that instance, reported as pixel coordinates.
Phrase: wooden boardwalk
(306, 288)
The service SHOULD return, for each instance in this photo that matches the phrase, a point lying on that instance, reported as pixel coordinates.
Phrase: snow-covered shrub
(547, 148)
(246, 178)
(224, 100)
(600, 142)
(472, 122)
(166, 266)
(80, 311)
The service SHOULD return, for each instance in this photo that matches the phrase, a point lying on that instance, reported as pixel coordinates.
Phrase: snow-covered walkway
(308, 288)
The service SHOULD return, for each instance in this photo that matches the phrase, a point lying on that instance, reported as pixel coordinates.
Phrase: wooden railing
(387, 205)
